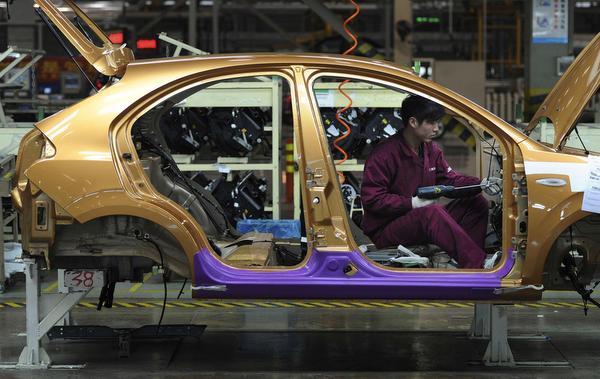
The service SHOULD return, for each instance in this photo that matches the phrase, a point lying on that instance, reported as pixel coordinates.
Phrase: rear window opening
(224, 152)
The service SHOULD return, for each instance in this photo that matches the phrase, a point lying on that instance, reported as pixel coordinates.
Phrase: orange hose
(338, 117)
(348, 32)
(349, 105)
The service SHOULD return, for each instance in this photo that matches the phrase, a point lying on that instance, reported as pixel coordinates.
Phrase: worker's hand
(492, 185)
(417, 202)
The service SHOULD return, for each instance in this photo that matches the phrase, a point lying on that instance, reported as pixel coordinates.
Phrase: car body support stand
(33, 355)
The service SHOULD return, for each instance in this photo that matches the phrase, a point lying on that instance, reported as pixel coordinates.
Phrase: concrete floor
(288, 339)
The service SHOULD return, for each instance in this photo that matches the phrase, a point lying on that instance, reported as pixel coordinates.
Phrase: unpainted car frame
(80, 168)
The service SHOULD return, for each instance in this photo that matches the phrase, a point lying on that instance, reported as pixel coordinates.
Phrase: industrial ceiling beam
(192, 22)
(215, 25)
(157, 19)
(328, 16)
(269, 22)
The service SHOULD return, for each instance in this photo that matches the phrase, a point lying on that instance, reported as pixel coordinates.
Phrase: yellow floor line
(124, 305)
(461, 305)
(440, 305)
(338, 304)
(324, 305)
(13, 305)
(404, 305)
(160, 304)
(283, 305)
(183, 304)
(51, 287)
(203, 304)
(534, 305)
(307, 304)
(553, 305)
(145, 305)
(222, 304)
(300, 304)
(422, 305)
(245, 305)
(384, 305)
(264, 305)
(137, 286)
(571, 305)
(364, 305)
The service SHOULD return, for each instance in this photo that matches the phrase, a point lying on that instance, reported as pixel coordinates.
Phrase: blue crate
(279, 228)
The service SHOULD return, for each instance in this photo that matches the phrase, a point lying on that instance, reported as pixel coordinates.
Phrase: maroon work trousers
(458, 228)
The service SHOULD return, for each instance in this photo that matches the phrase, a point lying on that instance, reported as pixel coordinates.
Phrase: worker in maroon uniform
(409, 160)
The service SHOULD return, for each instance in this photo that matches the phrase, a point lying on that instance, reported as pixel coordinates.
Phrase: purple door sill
(323, 277)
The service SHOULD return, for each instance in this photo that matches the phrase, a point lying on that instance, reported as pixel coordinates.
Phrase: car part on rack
(351, 196)
(184, 129)
(334, 129)
(382, 123)
(242, 197)
(236, 131)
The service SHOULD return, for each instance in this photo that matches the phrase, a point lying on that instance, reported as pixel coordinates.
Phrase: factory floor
(307, 338)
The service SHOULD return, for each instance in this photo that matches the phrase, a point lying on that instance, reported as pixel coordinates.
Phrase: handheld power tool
(434, 192)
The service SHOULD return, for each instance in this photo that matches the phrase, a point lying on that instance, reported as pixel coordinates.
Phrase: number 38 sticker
(83, 279)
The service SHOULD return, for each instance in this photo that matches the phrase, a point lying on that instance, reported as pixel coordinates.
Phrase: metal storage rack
(7, 170)
(265, 93)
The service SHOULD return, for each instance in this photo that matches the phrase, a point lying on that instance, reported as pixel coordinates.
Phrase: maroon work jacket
(392, 174)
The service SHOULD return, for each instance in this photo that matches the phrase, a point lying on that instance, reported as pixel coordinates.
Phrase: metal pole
(40, 37)
(388, 30)
(192, 19)
(215, 26)
(33, 355)
(484, 30)
(450, 17)
(31, 314)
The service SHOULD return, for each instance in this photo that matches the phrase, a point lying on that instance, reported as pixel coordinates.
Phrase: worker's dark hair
(421, 108)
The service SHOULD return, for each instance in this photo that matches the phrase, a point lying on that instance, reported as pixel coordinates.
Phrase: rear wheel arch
(189, 236)
(110, 237)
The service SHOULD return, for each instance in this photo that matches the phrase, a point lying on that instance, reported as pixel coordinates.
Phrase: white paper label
(591, 195)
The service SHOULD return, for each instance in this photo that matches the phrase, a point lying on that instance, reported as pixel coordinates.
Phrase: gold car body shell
(89, 176)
